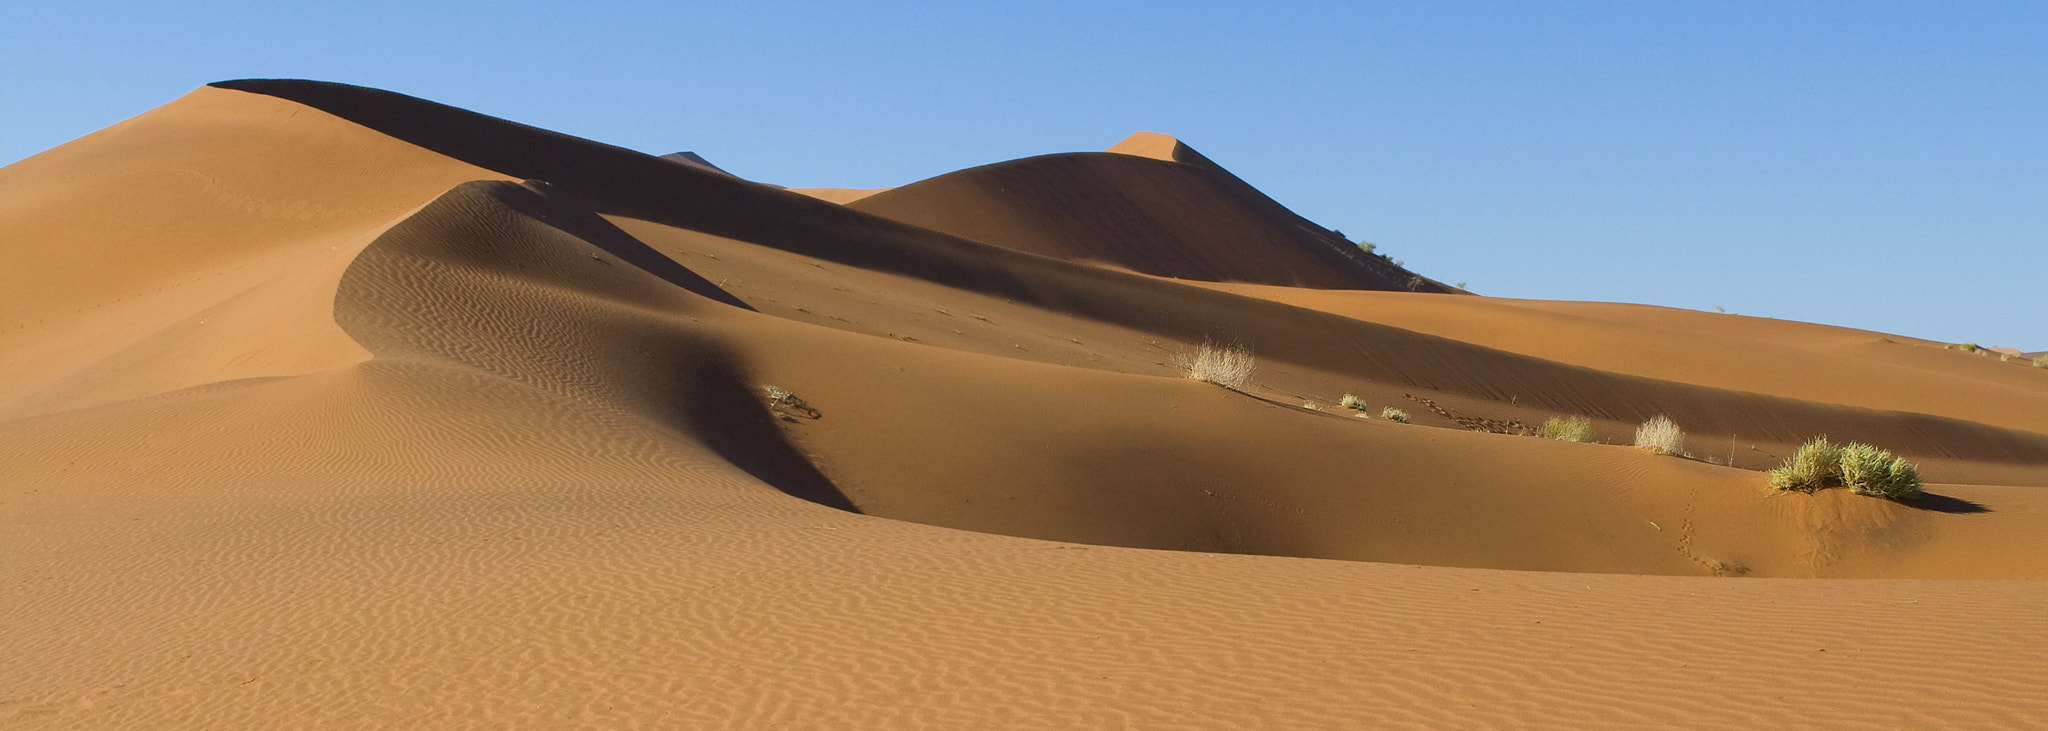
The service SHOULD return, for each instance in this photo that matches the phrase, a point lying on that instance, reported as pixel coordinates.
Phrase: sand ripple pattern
(480, 580)
(509, 519)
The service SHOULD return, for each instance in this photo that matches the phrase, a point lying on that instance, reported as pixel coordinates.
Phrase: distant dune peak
(696, 161)
(1160, 147)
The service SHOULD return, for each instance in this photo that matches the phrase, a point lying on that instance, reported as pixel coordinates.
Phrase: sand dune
(1181, 217)
(694, 160)
(325, 406)
(196, 243)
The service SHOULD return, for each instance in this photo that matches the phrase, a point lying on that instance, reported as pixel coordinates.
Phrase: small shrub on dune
(1574, 429)
(1661, 435)
(1867, 470)
(1813, 467)
(2041, 362)
(1394, 415)
(1351, 402)
(1864, 469)
(1228, 366)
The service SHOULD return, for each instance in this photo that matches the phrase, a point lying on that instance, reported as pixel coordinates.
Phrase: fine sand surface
(327, 407)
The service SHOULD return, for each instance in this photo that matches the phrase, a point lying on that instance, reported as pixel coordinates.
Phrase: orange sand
(313, 414)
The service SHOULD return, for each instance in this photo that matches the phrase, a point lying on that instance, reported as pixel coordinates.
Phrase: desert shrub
(1574, 429)
(2041, 362)
(1859, 464)
(1867, 470)
(1864, 469)
(1228, 366)
(1661, 435)
(1969, 347)
(781, 401)
(1394, 415)
(1816, 465)
(2007, 357)
(1351, 402)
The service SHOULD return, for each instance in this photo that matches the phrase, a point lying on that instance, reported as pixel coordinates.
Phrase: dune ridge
(193, 243)
(708, 203)
(1174, 215)
(542, 484)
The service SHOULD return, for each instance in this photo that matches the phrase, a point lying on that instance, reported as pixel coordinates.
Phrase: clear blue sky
(1869, 164)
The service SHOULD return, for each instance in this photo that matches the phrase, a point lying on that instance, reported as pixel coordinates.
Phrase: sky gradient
(1872, 165)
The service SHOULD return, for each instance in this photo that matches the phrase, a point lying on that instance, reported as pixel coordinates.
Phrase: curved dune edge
(551, 494)
(1775, 357)
(1160, 216)
(195, 243)
(839, 195)
(1161, 147)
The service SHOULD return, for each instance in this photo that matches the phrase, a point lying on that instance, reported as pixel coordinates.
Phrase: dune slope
(1182, 217)
(197, 242)
(522, 471)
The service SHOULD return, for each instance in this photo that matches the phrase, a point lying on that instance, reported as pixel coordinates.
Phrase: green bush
(1574, 429)
(1814, 467)
(1864, 469)
(1394, 415)
(1351, 402)
(1867, 470)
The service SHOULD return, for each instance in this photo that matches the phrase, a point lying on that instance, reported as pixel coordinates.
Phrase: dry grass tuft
(1394, 415)
(1661, 435)
(1228, 366)
(1574, 429)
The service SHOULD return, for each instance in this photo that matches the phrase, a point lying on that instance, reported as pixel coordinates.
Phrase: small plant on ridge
(1229, 366)
(1864, 469)
(1661, 435)
(1574, 429)
(1867, 470)
(1394, 415)
(1813, 467)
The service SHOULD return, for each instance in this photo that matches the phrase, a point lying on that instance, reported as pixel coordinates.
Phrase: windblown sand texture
(326, 407)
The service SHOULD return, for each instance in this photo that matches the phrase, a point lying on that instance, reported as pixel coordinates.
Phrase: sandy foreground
(325, 407)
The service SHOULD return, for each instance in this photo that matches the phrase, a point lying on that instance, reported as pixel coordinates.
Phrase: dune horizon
(322, 405)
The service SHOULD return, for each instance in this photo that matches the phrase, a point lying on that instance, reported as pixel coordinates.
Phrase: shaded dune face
(517, 283)
(1165, 218)
(312, 415)
(514, 282)
(620, 182)
(529, 283)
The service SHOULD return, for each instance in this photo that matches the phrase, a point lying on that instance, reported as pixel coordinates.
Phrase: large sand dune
(327, 407)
